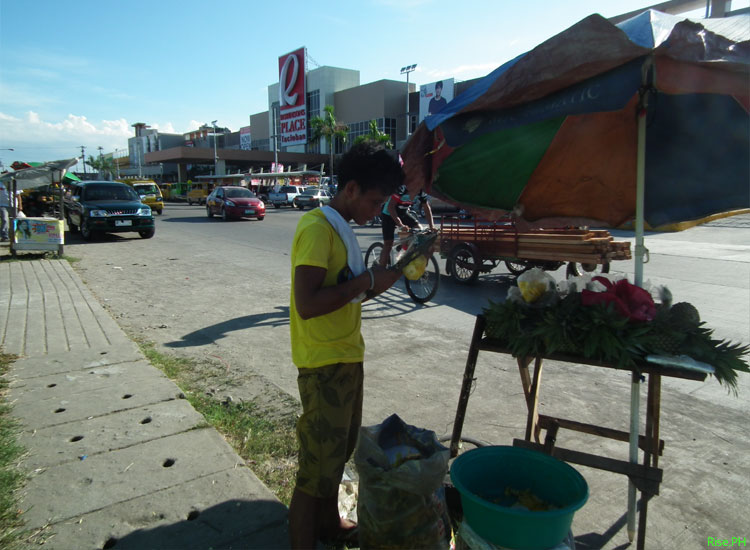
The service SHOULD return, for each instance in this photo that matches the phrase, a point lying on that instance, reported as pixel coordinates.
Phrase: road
(218, 292)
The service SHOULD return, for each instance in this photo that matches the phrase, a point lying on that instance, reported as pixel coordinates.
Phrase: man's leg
(4, 222)
(303, 520)
(385, 253)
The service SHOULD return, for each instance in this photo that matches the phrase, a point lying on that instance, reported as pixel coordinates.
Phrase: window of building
(313, 110)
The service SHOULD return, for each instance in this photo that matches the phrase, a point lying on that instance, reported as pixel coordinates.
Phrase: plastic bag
(535, 288)
(401, 497)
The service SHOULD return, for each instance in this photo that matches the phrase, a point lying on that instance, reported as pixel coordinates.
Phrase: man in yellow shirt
(329, 281)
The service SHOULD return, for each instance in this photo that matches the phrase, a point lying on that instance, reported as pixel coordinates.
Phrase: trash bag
(401, 496)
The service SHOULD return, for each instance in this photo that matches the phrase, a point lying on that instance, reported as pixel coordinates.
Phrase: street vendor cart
(476, 246)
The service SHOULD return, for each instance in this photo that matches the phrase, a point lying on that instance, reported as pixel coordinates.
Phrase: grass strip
(11, 478)
(268, 446)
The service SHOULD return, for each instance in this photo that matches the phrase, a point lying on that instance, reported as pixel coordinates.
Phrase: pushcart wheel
(516, 267)
(424, 289)
(465, 264)
(372, 257)
(576, 270)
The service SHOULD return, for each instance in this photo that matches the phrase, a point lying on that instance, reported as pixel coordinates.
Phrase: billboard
(434, 96)
(38, 233)
(245, 141)
(293, 98)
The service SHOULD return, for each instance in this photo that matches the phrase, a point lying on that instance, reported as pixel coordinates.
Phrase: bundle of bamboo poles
(569, 245)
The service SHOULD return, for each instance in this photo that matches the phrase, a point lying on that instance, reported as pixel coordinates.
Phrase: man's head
(367, 174)
(438, 89)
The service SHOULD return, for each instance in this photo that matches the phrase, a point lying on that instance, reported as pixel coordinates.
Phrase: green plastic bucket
(482, 475)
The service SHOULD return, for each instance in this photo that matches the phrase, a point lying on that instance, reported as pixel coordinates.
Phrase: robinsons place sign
(292, 98)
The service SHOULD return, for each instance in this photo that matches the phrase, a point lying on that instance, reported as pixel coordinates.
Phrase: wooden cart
(476, 246)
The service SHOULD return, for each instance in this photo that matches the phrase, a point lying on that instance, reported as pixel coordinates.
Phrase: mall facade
(259, 148)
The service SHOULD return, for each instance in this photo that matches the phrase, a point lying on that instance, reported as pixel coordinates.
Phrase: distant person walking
(4, 212)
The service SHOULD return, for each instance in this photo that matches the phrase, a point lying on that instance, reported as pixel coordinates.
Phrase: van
(149, 192)
(198, 192)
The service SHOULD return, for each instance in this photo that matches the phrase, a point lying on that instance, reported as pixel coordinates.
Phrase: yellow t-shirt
(334, 337)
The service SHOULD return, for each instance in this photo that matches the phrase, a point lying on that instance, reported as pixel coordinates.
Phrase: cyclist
(398, 211)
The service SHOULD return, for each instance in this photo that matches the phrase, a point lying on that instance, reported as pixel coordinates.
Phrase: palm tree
(329, 128)
(376, 136)
(104, 165)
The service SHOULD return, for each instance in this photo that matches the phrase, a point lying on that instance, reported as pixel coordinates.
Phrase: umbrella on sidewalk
(646, 121)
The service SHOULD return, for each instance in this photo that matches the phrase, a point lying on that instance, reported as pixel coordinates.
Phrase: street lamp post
(213, 123)
(406, 70)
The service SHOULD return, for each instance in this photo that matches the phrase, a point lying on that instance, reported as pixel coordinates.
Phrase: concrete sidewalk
(115, 457)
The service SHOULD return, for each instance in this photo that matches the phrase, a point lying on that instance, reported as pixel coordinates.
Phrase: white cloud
(35, 139)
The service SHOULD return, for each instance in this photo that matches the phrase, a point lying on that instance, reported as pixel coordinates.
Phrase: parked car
(229, 202)
(285, 195)
(96, 207)
(312, 197)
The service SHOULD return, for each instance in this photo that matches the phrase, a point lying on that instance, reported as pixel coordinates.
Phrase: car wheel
(224, 215)
(208, 212)
(300, 207)
(147, 233)
(159, 212)
(86, 233)
(190, 203)
(260, 218)
(276, 205)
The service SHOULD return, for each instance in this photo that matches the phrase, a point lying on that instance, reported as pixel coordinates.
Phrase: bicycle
(404, 250)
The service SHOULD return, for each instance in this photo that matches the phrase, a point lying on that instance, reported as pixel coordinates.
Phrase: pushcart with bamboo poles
(476, 246)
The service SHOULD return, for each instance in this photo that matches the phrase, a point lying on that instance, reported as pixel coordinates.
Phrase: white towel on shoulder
(353, 252)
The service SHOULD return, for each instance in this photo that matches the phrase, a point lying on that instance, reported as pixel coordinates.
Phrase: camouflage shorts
(328, 428)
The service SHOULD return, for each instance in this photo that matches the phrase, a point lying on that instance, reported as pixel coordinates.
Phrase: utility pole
(83, 157)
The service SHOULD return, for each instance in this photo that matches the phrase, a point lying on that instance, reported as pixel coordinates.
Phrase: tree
(376, 135)
(328, 127)
(104, 165)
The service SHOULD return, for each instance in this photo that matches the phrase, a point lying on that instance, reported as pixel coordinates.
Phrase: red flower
(630, 301)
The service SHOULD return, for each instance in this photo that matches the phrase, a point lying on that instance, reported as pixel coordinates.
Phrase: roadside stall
(37, 233)
(646, 123)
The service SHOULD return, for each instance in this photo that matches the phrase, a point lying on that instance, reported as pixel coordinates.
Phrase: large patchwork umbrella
(646, 121)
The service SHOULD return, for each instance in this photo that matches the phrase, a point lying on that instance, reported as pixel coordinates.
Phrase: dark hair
(371, 166)
(439, 84)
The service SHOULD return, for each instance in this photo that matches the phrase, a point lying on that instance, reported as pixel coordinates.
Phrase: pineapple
(684, 316)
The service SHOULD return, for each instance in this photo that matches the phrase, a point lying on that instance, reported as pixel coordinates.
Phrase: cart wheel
(516, 267)
(423, 289)
(576, 270)
(372, 257)
(465, 264)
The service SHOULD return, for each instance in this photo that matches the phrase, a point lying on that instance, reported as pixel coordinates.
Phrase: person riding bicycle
(398, 211)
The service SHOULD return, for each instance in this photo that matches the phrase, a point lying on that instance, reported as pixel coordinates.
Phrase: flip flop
(344, 538)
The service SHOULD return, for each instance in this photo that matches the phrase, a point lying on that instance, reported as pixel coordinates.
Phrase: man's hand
(384, 279)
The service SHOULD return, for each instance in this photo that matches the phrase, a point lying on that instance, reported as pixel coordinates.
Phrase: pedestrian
(329, 281)
(4, 211)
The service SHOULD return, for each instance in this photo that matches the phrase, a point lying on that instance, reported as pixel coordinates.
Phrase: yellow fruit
(415, 268)
(532, 291)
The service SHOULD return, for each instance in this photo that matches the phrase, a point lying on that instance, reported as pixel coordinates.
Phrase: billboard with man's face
(293, 98)
(434, 96)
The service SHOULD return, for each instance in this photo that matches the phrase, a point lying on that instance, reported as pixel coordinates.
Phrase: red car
(234, 202)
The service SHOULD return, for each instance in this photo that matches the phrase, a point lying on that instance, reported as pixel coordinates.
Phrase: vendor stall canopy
(34, 174)
(552, 134)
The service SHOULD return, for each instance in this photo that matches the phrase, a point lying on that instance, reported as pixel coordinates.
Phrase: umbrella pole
(640, 251)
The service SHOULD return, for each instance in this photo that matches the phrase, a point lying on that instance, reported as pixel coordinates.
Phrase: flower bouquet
(608, 319)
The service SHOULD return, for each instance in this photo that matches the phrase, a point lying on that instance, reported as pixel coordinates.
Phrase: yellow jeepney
(198, 192)
(149, 192)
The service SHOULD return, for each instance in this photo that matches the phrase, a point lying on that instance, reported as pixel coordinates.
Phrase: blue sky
(82, 72)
